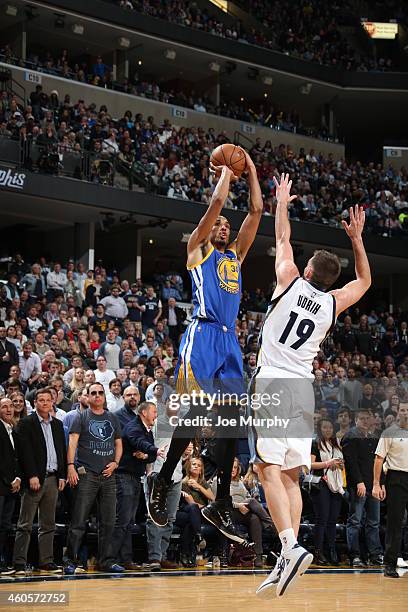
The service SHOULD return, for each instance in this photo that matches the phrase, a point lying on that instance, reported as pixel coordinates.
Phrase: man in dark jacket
(10, 477)
(8, 354)
(359, 446)
(138, 450)
(128, 485)
(42, 454)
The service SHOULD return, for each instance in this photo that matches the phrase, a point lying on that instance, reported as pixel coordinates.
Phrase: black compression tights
(224, 449)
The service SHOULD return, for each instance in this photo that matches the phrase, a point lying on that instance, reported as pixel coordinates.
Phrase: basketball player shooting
(302, 312)
(210, 357)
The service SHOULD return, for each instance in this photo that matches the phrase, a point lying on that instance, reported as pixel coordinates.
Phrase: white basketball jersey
(295, 325)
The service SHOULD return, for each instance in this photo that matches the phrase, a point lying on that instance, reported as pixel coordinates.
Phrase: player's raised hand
(217, 170)
(283, 189)
(354, 229)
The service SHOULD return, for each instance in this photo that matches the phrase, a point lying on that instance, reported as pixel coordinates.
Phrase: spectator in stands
(42, 455)
(131, 467)
(8, 354)
(359, 454)
(153, 310)
(326, 462)
(248, 511)
(139, 445)
(56, 281)
(102, 374)
(115, 305)
(175, 318)
(351, 390)
(343, 419)
(30, 365)
(92, 470)
(10, 478)
(96, 291)
(111, 350)
(114, 399)
(19, 405)
(196, 493)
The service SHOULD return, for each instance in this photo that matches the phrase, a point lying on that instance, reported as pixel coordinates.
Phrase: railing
(10, 85)
(112, 169)
(106, 167)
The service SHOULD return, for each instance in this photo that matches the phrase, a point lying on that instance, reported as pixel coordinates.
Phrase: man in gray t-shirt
(95, 440)
(96, 443)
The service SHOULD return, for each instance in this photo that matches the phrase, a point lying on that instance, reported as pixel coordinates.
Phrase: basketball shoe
(296, 561)
(157, 489)
(218, 513)
(268, 587)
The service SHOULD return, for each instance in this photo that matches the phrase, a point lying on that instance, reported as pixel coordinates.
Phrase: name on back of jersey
(308, 304)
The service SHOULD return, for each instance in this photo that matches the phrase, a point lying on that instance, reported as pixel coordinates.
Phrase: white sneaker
(266, 589)
(401, 562)
(296, 560)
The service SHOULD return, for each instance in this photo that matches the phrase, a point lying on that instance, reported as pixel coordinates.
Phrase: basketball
(230, 155)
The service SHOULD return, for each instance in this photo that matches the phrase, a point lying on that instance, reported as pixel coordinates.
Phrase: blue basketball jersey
(216, 287)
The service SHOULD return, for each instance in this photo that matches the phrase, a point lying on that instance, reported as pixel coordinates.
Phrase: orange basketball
(229, 155)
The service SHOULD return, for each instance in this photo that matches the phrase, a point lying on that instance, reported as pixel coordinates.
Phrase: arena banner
(13, 179)
(377, 29)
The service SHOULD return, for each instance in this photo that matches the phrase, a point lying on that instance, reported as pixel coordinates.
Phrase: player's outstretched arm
(353, 291)
(200, 236)
(285, 267)
(249, 227)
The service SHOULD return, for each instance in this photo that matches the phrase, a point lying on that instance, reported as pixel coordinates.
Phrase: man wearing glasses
(96, 438)
(102, 374)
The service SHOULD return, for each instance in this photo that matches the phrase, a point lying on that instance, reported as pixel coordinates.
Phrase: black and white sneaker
(268, 587)
(5, 570)
(218, 513)
(296, 561)
(157, 489)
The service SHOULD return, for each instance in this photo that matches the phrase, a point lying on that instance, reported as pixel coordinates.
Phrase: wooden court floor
(314, 592)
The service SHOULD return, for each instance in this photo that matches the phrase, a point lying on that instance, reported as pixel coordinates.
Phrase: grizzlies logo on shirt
(102, 430)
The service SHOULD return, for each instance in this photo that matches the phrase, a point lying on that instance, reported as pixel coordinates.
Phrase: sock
(288, 539)
(182, 436)
(225, 455)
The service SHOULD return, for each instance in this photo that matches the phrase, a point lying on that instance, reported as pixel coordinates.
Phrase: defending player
(300, 315)
(210, 357)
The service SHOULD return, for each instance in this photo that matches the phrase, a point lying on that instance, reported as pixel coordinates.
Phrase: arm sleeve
(350, 452)
(76, 425)
(383, 447)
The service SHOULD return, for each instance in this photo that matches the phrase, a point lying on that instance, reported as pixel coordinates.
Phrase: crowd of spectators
(98, 353)
(305, 29)
(100, 74)
(175, 162)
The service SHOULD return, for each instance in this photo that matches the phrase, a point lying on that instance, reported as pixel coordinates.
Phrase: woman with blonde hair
(195, 494)
(78, 381)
